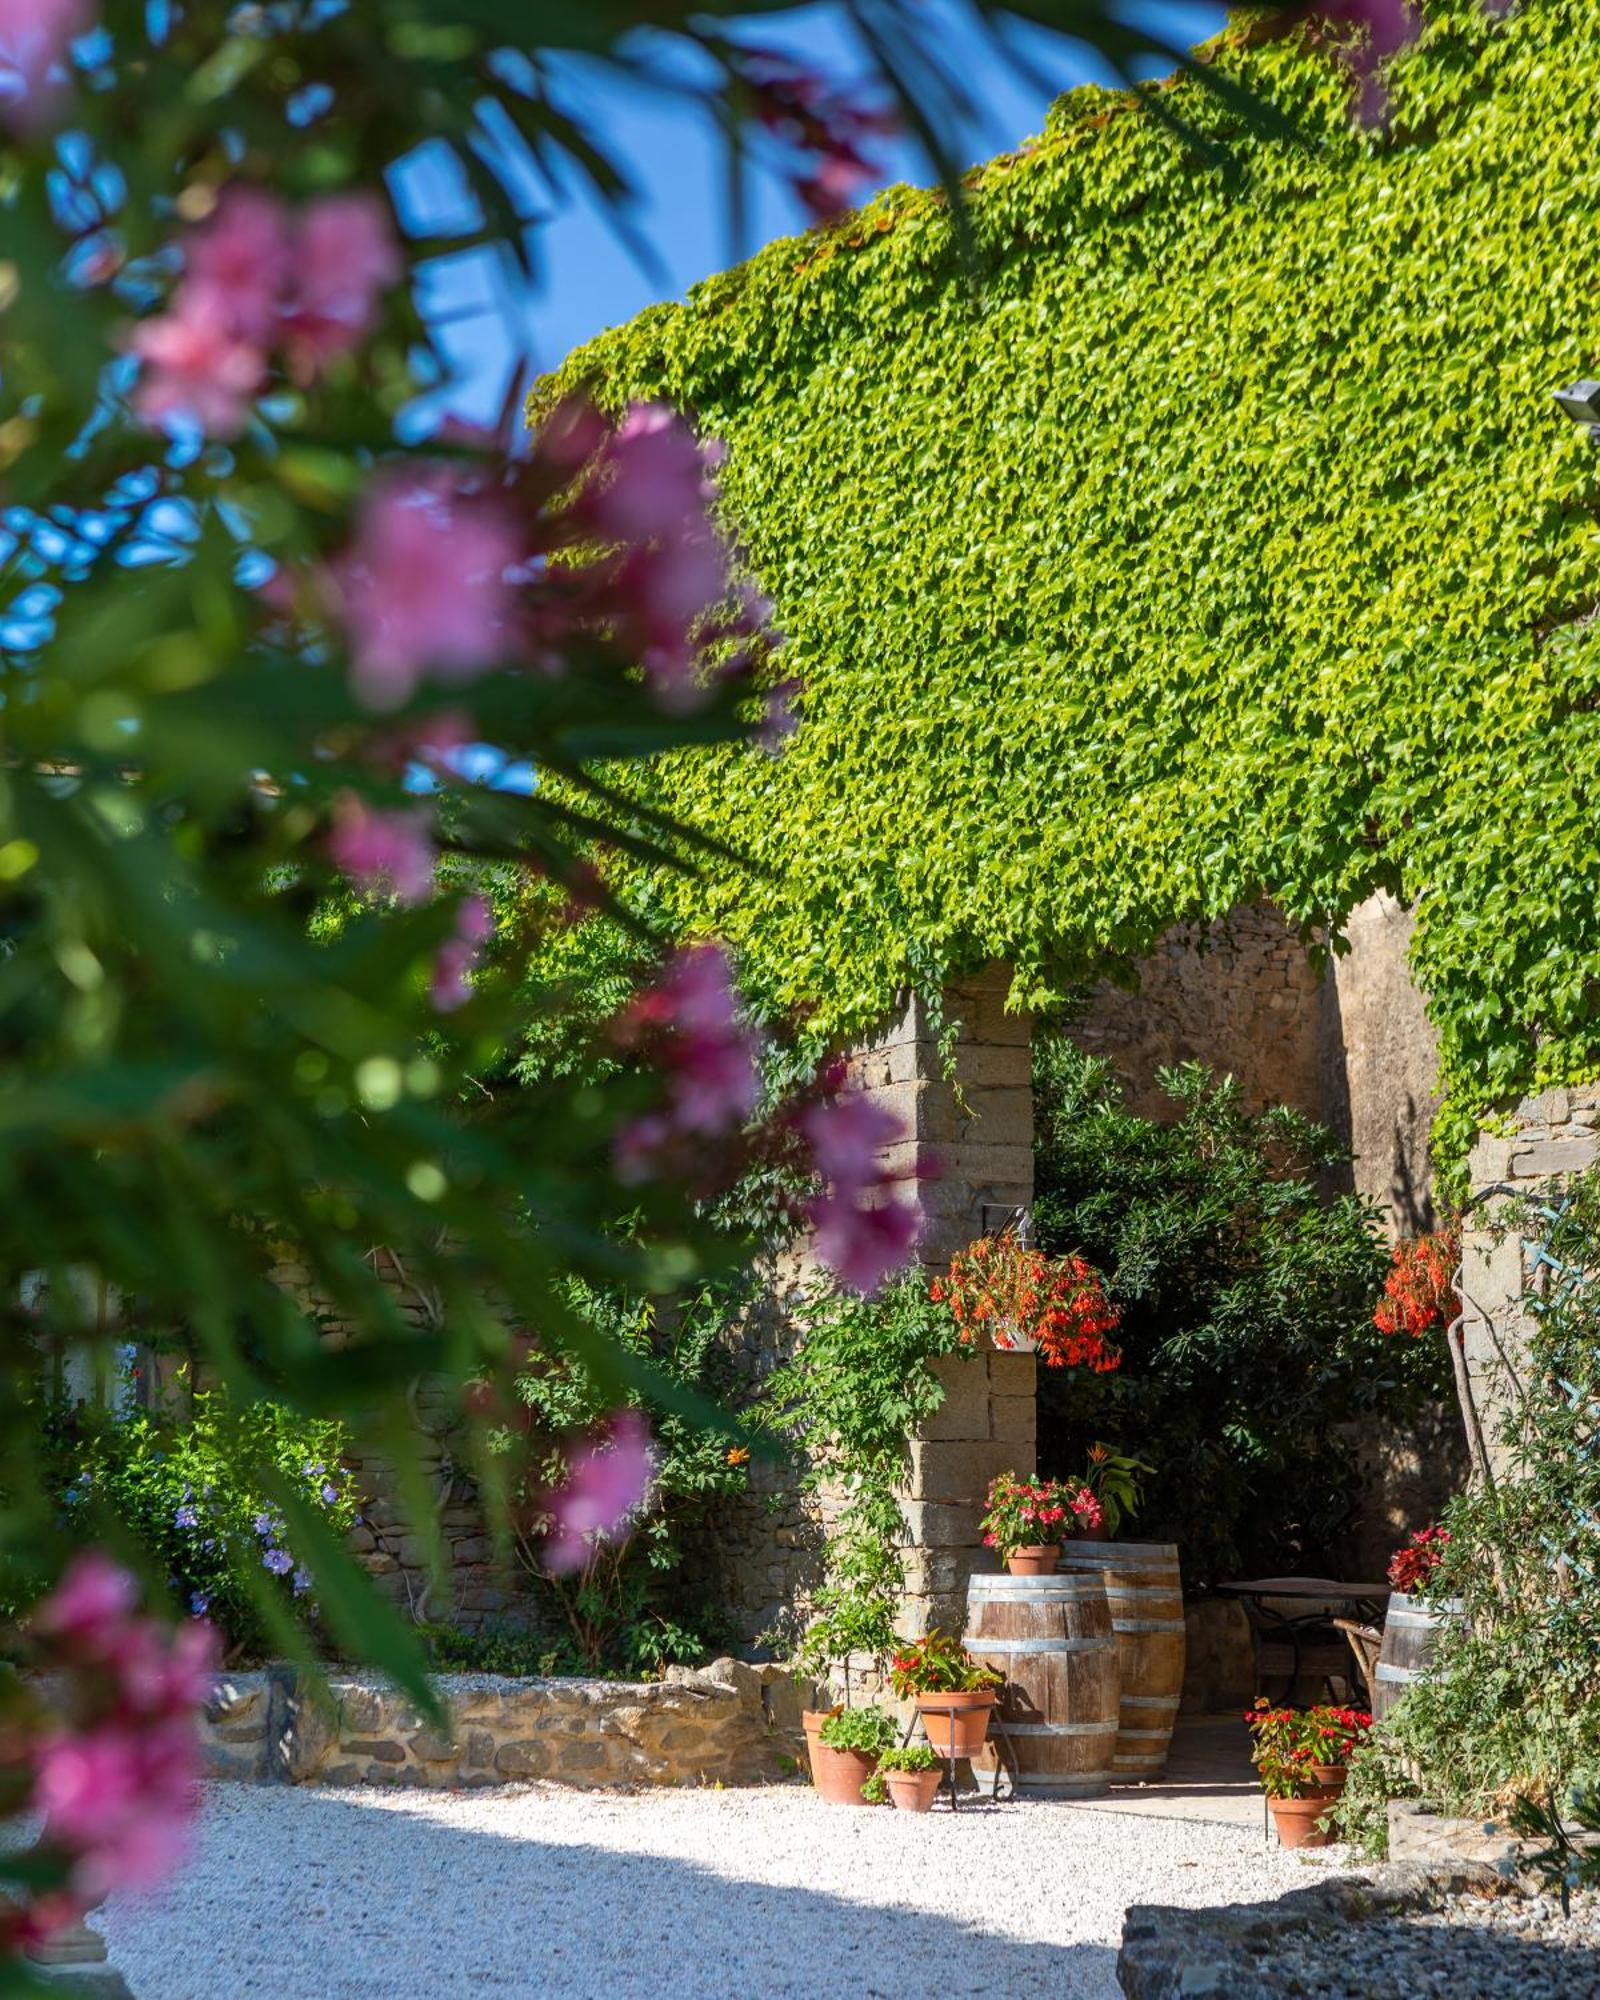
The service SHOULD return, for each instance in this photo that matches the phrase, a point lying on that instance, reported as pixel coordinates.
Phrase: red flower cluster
(1416, 1562)
(995, 1286)
(937, 1664)
(1291, 1742)
(1419, 1294)
(1025, 1513)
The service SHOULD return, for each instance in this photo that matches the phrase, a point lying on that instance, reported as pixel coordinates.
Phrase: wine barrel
(1051, 1637)
(1410, 1632)
(1145, 1594)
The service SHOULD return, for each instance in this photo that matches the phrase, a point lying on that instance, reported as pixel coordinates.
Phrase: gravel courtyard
(329, 1895)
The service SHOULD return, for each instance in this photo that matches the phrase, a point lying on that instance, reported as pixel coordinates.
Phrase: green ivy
(1223, 542)
(861, 1384)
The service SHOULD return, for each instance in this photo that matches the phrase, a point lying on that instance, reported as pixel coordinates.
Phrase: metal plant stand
(1005, 1759)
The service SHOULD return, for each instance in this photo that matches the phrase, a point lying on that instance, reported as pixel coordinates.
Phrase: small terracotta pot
(957, 1722)
(1038, 1559)
(838, 1775)
(1330, 1778)
(1296, 1821)
(913, 1791)
(1090, 1534)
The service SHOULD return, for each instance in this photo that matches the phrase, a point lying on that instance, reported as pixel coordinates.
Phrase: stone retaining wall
(728, 1723)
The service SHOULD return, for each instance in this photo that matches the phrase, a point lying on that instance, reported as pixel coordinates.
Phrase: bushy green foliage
(861, 1382)
(186, 1488)
(1226, 542)
(621, 1612)
(869, 1730)
(496, 1649)
(1508, 1710)
(1246, 1294)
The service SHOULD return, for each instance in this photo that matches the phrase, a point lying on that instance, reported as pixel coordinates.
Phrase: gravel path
(348, 1895)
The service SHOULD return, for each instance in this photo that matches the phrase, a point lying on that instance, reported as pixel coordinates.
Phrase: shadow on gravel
(330, 1900)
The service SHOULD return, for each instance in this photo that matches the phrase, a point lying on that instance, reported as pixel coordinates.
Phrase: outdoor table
(1264, 1599)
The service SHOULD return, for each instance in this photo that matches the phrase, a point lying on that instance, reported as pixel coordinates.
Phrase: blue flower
(187, 1517)
(302, 1581)
(279, 1561)
(199, 1603)
(263, 1524)
(330, 1493)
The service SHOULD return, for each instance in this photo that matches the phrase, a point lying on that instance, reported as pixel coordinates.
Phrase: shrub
(189, 1484)
(620, 1613)
(861, 1382)
(869, 1730)
(1506, 1718)
(1246, 1293)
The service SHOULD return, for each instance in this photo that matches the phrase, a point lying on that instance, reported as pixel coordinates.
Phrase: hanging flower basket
(1023, 1302)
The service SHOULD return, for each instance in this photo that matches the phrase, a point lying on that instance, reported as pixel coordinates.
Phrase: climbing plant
(1224, 542)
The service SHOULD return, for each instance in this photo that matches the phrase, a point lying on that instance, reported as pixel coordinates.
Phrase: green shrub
(861, 1382)
(496, 1649)
(187, 1484)
(872, 1731)
(914, 1757)
(1507, 1713)
(1246, 1294)
(621, 1613)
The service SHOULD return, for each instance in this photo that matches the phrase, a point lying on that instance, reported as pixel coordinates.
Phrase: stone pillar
(1554, 1134)
(967, 1162)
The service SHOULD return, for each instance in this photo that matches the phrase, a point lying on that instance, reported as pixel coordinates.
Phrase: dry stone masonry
(728, 1723)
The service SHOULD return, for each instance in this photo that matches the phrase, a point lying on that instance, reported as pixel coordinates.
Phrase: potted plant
(955, 1697)
(845, 1745)
(910, 1777)
(1303, 1755)
(1116, 1482)
(1025, 1302)
(1027, 1520)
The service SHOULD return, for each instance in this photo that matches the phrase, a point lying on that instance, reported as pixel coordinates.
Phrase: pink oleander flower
(1386, 26)
(608, 1481)
(241, 259)
(423, 589)
(35, 39)
(90, 1604)
(863, 1244)
(818, 123)
(345, 255)
(197, 368)
(689, 1024)
(257, 281)
(450, 987)
(845, 1134)
(114, 1781)
(383, 853)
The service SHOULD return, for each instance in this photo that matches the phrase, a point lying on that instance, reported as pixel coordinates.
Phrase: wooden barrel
(1410, 1632)
(1145, 1594)
(1051, 1637)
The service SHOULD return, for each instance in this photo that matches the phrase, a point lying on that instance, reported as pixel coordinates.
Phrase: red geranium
(1415, 1564)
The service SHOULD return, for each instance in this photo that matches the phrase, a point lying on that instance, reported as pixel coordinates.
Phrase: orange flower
(738, 1454)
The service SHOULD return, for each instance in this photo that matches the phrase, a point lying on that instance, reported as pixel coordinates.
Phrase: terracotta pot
(1296, 1821)
(1090, 1534)
(957, 1721)
(838, 1775)
(1038, 1559)
(913, 1791)
(1330, 1778)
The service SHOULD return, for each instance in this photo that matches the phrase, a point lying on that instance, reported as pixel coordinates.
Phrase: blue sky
(589, 280)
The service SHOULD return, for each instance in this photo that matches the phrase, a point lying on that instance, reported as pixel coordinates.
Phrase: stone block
(380, 1751)
(1012, 1375)
(432, 1746)
(1554, 1156)
(959, 1471)
(941, 1525)
(479, 1747)
(964, 1413)
(523, 1759)
(1014, 1420)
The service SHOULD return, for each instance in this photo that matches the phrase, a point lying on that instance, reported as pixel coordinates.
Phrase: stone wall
(1351, 1045)
(1239, 994)
(728, 1723)
(1553, 1134)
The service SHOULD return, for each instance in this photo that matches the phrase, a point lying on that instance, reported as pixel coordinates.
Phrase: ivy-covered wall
(1224, 542)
